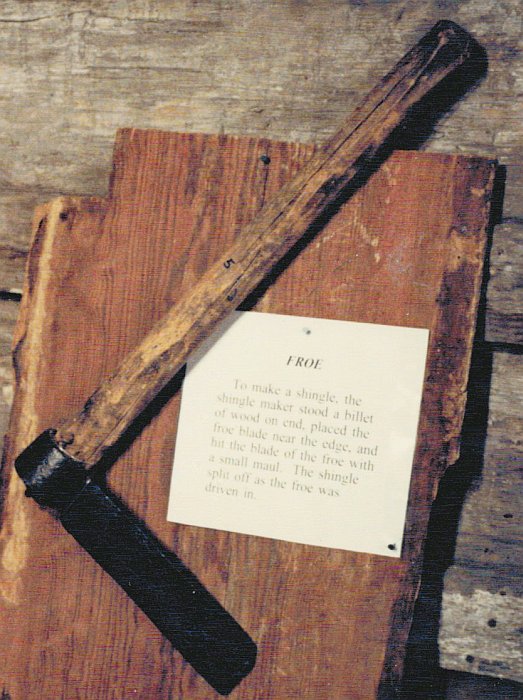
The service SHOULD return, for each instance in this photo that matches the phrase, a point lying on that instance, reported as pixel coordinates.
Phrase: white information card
(301, 429)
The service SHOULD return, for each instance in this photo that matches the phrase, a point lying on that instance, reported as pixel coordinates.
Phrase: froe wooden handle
(339, 164)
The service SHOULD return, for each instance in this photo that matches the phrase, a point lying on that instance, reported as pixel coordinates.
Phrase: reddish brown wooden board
(406, 250)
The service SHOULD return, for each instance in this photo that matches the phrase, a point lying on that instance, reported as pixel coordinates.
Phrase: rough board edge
(49, 222)
(481, 623)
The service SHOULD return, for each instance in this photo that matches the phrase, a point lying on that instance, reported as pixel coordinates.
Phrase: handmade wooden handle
(339, 164)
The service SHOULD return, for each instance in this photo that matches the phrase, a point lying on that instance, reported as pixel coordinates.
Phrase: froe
(59, 467)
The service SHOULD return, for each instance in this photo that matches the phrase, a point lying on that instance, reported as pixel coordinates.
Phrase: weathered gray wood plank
(504, 317)
(485, 635)
(491, 516)
(482, 618)
(512, 199)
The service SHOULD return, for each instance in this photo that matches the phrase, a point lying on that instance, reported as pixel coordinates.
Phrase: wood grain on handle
(261, 244)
